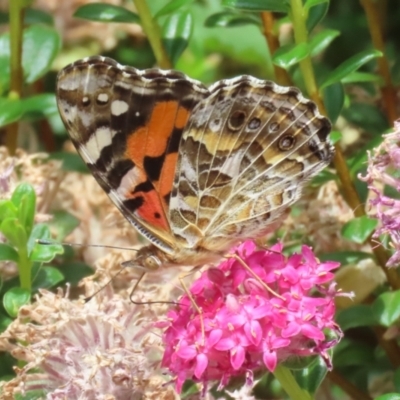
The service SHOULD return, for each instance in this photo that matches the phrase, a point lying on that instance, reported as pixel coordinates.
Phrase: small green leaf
(335, 136)
(171, 7)
(396, 379)
(176, 33)
(316, 15)
(345, 257)
(258, 5)
(7, 210)
(5, 321)
(322, 40)
(386, 308)
(334, 97)
(14, 232)
(229, 19)
(355, 77)
(311, 377)
(313, 3)
(10, 109)
(41, 46)
(39, 106)
(291, 54)
(47, 278)
(24, 197)
(359, 229)
(42, 252)
(36, 16)
(103, 12)
(350, 65)
(14, 299)
(389, 396)
(8, 253)
(74, 272)
(356, 316)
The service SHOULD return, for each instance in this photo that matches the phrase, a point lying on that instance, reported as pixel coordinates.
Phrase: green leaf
(5, 321)
(350, 65)
(356, 76)
(313, 3)
(386, 308)
(36, 16)
(320, 41)
(103, 12)
(8, 253)
(24, 198)
(258, 5)
(71, 161)
(14, 232)
(74, 272)
(335, 136)
(389, 396)
(10, 109)
(14, 299)
(171, 7)
(291, 54)
(359, 229)
(7, 210)
(349, 353)
(345, 257)
(310, 378)
(334, 97)
(41, 46)
(396, 379)
(229, 19)
(356, 316)
(39, 106)
(42, 252)
(47, 278)
(176, 33)
(316, 15)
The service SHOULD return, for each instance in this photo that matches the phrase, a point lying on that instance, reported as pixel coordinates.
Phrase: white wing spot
(102, 98)
(119, 107)
(96, 143)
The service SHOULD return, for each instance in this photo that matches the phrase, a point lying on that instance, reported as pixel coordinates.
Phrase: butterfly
(196, 170)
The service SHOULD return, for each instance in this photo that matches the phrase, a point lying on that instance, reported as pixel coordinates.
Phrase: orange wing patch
(151, 142)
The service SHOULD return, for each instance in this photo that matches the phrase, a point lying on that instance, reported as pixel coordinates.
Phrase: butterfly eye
(254, 123)
(85, 101)
(286, 143)
(236, 121)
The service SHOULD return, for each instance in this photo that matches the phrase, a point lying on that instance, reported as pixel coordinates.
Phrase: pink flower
(251, 318)
(382, 172)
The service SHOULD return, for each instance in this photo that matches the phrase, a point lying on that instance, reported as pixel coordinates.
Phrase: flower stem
(375, 29)
(281, 75)
(289, 384)
(153, 32)
(16, 78)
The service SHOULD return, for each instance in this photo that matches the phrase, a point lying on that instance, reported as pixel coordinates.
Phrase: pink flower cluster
(382, 173)
(243, 319)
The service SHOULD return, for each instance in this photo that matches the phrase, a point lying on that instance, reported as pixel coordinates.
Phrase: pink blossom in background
(383, 167)
(243, 326)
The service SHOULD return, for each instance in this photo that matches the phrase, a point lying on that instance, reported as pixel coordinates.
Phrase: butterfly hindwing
(246, 153)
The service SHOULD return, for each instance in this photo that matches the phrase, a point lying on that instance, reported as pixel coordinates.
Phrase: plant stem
(16, 76)
(289, 384)
(281, 75)
(153, 32)
(347, 386)
(375, 29)
(349, 191)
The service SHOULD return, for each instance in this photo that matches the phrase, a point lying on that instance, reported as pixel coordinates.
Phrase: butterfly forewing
(127, 124)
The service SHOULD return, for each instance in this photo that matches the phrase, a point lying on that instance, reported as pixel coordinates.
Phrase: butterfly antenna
(49, 242)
